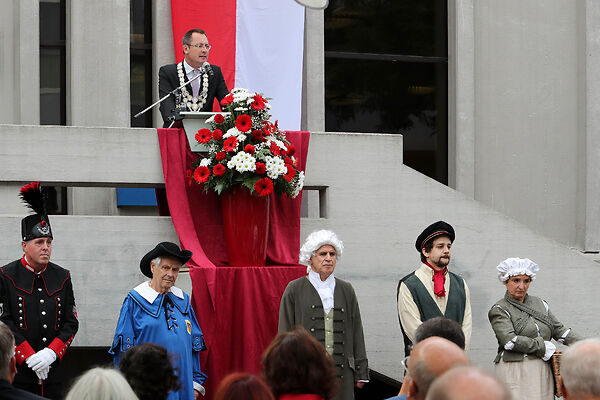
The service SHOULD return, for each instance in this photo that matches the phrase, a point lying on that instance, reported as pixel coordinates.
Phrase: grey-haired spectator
(580, 370)
(8, 367)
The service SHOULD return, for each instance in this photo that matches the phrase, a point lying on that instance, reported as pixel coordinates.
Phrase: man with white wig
(328, 308)
(524, 328)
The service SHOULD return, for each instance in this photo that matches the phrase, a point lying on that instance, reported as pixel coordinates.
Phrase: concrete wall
(20, 62)
(376, 204)
(523, 109)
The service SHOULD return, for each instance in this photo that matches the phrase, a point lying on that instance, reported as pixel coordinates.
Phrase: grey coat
(504, 317)
(302, 306)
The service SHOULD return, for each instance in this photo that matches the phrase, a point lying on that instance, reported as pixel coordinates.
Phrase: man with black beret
(432, 290)
(37, 303)
(156, 311)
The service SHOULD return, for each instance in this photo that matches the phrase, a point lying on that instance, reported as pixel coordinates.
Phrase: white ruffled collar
(146, 291)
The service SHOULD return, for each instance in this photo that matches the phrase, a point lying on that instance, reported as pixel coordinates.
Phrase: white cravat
(324, 288)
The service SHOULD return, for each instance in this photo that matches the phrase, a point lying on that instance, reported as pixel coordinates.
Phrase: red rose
(260, 168)
(249, 149)
(203, 135)
(287, 160)
(219, 169)
(291, 150)
(243, 123)
(219, 118)
(227, 100)
(220, 156)
(230, 144)
(291, 173)
(264, 187)
(201, 174)
(274, 149)
(258, 102)
(257, 135)
(217, 134)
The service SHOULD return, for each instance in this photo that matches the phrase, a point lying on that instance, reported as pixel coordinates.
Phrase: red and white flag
(258, 44)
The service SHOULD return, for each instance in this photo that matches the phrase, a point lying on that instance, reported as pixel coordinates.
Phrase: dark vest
(455, 308)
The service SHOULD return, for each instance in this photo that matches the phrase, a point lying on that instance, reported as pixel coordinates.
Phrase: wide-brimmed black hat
(163, 249)
(434, 230)
(36, 225)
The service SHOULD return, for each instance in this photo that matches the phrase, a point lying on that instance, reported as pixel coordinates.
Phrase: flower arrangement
(245, 148)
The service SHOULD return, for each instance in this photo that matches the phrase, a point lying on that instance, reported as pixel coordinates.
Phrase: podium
(193, 122)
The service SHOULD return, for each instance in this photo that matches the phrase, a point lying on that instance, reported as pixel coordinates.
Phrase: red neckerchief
(29, 267)
(439, 279)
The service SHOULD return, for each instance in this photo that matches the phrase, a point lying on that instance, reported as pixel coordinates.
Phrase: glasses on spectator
(404, 364)
(201, 46)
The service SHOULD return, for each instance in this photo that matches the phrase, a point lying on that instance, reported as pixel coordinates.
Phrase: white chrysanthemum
(241, 109)
(298, 183)
(275, 167)
(205, 162)
(280, 144)
(231, 132)
(241, 137)
(242, 162)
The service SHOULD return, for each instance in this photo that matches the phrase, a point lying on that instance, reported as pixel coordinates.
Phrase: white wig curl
(516, 266)
(315, 240)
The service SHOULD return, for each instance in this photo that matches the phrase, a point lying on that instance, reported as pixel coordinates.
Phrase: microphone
(207, 68)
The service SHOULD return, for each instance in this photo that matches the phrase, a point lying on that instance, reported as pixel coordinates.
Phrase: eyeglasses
(404, 364)
(201, 46)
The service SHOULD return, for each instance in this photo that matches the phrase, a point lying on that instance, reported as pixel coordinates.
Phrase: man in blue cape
(158, 312)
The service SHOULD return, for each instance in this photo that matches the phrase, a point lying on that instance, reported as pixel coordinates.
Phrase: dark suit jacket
(8, 392)
(168, 80)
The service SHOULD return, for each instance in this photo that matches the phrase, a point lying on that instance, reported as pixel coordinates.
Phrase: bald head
(467, 383)
(429, 359)
(580, 370)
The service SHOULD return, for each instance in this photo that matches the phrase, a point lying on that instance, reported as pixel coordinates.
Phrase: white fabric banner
(269, 55)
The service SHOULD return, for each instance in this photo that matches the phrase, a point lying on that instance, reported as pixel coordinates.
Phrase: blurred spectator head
(429, 359)
(296, 363)
(8, 366)
(467, 383)
(580, 370)
(101, 384)
(243, 386)
(442, 327)
(149, 372)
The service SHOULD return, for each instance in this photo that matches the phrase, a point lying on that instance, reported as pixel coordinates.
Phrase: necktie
(196, 83)
(439, 278)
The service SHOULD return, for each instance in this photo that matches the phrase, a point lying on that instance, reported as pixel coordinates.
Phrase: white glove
(41, 360)
(550, 349)
(42, 373)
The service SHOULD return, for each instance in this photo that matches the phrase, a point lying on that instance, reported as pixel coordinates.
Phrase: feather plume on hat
(38, 224)
(34, 197)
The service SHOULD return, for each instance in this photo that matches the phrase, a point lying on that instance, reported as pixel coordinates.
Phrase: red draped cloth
(237, 308)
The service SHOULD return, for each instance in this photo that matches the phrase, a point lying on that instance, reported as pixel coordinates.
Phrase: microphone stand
(172, 92)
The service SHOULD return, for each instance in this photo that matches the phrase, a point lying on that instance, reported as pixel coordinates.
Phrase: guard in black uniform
(37, 303)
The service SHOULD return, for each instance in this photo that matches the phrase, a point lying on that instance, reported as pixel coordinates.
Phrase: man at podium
(198, 95)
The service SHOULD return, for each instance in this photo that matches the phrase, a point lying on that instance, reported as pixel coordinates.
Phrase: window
(52, 63)
(386, 68)
(141, 61)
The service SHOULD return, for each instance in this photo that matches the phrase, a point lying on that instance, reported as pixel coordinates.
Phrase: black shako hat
(36, 225)
(434, 230)
(163, 249)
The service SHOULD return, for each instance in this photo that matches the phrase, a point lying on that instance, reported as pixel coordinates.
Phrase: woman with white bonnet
(327, 308)
(524, 327)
